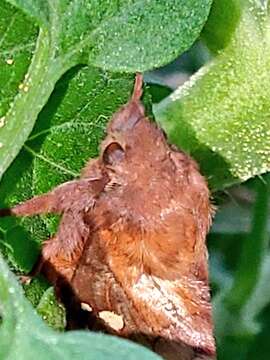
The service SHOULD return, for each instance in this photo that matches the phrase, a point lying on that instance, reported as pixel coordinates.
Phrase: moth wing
(109, 279)
(168, 310)
(178, 310)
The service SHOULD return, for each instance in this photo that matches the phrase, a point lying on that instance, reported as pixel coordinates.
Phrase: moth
(130, 250)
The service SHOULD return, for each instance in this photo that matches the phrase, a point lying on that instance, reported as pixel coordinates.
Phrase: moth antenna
(137, 92)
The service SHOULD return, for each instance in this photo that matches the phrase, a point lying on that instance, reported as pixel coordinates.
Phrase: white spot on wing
(86, 307)
(114, 320)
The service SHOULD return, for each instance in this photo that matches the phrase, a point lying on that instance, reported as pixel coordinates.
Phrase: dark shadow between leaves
(45, 117)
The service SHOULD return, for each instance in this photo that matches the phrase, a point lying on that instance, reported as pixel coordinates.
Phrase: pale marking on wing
(164, 299)
(86, 307)
(114, 320)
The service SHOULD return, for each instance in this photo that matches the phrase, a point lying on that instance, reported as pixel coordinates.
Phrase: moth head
(132, 140)
(130, 114)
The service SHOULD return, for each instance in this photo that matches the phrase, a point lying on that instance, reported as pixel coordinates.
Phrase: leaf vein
(8, 28)
(52, 163)
(18, 48)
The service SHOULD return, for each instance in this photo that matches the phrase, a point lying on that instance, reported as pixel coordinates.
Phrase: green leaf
(51, 311)
(125, 42)
(43, 298)
(117, 35)
(39, 9)
(17, 39)
(243, 297)
(35, 290)
(223, 21)
(221, 115)
(24, 336)
(253, 252)
(120, 35)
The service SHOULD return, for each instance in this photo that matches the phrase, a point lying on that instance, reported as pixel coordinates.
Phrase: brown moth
(130, 249)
